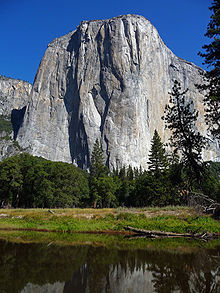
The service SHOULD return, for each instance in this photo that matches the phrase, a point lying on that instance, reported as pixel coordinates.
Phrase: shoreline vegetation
(107, 227)
(168, 219)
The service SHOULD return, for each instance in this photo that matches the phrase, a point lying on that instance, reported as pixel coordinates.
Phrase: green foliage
(3, 77)
(212, 59)
(180, 118)
(210, 184)
(102, 191)
(151, 190)
(102, 186)
(97, 166)
(27, 181)
(16, 144)
(106, 189)
(31, 182)
(11, 182)
(6, 137)
(5, 124)
(157, 158)
(213, 30)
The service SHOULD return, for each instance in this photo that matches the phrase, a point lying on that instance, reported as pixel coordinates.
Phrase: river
(56, 268)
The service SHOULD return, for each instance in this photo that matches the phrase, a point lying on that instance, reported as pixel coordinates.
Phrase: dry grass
(97, 213)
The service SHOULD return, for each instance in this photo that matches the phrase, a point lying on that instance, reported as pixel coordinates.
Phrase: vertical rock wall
(108, 79)
(14, 97)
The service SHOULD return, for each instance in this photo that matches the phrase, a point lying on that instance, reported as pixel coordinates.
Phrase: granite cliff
(108, 79)
(14, 97)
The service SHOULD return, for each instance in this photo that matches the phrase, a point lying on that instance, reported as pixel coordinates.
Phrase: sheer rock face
(14, 95)
(108, 79)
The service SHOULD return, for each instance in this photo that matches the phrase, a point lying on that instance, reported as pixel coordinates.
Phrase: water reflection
(41, 268)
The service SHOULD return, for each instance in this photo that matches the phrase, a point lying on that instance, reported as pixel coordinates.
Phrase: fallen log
(161, 234)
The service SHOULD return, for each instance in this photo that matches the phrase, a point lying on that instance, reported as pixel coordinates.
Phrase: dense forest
(30, 182)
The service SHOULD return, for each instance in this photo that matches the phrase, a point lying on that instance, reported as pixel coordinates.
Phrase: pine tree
(98, 171)
(97, 167)
(157, 157)
(130, 173)
(212, 59)
(180, 118)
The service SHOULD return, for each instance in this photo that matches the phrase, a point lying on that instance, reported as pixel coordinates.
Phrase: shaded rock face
(14, 97)
(108, 79)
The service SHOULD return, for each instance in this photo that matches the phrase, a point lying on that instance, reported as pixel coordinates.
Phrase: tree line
(33, 182)
(30, 182)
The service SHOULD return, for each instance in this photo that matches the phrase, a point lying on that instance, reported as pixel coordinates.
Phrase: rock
(108, 79)
(9, 147)
(14, 96)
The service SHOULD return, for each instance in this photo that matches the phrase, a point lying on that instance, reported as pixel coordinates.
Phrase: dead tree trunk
(161, 234)
(203, 203)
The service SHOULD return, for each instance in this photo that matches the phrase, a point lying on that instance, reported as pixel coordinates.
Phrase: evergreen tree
(27, 182)
(180, 118)
(157, 157)
(130, 173)
(125, 185)
(212, 59)
(106, 191)
(98, 170)
(97, 167)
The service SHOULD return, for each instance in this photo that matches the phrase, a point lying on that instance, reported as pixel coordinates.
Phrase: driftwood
(161, 234)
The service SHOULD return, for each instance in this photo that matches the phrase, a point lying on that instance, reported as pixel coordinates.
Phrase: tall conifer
(157, 157)
(212, 59)
(180, 117)
(97, 166)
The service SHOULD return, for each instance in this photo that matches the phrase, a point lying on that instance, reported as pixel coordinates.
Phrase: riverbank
(168, 219)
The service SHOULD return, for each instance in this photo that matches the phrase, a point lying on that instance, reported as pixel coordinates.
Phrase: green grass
(68, 222)
(109, 241)
(77, 220)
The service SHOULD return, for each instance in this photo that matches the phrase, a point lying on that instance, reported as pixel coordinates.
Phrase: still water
(53, 268)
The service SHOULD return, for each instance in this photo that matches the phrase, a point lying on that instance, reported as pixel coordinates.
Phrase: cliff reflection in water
(40, 268)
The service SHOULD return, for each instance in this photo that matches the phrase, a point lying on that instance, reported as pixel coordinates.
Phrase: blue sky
(27, 26)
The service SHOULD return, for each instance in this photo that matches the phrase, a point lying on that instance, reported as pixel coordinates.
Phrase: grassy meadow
(170, 219)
